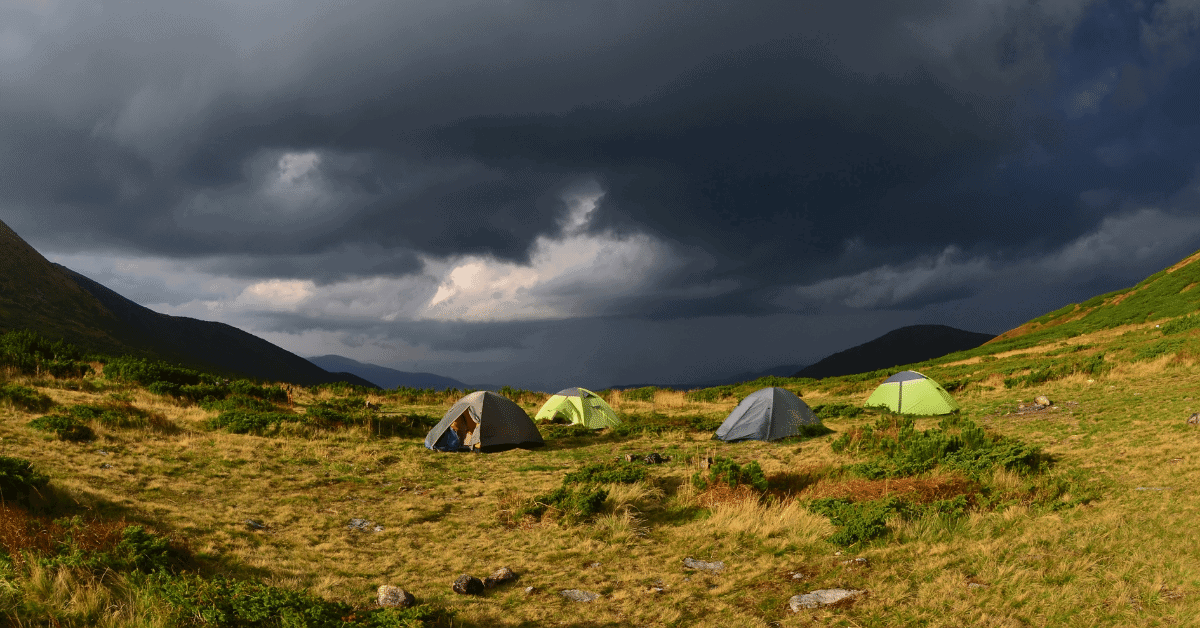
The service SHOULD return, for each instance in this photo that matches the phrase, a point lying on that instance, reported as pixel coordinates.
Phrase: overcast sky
(596, 192)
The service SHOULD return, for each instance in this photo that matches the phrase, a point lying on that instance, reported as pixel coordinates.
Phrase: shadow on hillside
(58, 503)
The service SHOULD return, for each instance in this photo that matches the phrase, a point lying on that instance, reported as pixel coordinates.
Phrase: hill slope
(385, 377)
(1168, 293)
(57, 302)
(906, 345)
(35, 295)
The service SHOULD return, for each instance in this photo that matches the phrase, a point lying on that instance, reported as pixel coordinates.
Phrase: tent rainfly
(483, 421)
(766, 414)
(909, 392)
(580, 406)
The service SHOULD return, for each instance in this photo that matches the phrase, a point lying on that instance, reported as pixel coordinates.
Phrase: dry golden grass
(1125, 559)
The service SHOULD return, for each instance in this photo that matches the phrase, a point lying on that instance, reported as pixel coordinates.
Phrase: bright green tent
(909, 392)
(579, 406)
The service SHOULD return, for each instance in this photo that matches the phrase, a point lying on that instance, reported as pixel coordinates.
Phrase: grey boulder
(822, 597)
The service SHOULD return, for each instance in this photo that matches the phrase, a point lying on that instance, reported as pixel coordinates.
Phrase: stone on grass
(715, 566)
(255, 525)
(500, 576)
(654, 458)
(856, 562)
(468, 585)
(362, 525)
(577, 595)
(1042, 400)
(395, 596)
(976, 585)
(1194, 419)
(822, 597)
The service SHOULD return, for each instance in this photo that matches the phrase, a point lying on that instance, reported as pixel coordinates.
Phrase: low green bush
(18, 478)
(249, 422)
(569, 504)
(709, 395)
(727, 472)
(902, 451)
(837, 410)
(64, 427)
(607, 473)
(645, 393)
(859, 522)
(24, 398)
(33, 354)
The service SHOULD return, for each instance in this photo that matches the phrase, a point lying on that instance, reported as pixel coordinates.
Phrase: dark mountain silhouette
(385, 377)
(907, 345)
(35, 295)
(57, 302)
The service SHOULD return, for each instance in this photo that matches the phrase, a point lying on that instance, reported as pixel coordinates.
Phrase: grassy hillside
(1007, 514)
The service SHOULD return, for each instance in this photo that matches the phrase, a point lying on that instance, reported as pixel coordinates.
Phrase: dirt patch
(1184, 262)
(921, 490)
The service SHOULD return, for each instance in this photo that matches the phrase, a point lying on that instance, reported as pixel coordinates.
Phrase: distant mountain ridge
(906, 345)
(57, 302)
(384, 377)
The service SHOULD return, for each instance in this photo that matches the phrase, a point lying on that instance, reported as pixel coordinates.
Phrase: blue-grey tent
(766, 414)
(483, 421)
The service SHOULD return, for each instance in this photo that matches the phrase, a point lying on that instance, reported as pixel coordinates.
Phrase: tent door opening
(466, 427)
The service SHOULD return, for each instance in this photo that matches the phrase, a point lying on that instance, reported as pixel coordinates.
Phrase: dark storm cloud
(792, 143)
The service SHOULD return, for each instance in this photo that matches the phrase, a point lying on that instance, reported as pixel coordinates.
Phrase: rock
(706, 462)
(255, 525)
(395, 596)
(822, 597)
(1042, 400)
(105, 466)
(529, 590)
(715, 567)
(593, 565)
(654, 458)
(577, 595)
(468, 585)
(857, 562)
(1194, 419)
(631, 457)
(976, 585)
(362, 525)
(500, 576)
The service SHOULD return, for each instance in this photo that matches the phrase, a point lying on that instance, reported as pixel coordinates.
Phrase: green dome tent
(580, 406)
(909, 392)
(766, 414)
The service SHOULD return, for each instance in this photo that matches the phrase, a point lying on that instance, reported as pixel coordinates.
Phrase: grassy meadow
(1079, 514)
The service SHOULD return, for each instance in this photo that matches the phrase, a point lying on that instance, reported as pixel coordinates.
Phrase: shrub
(112, 414)
(1181, 325)
(222, 601)
(903, 451)
(18, 477)
(30, 353)
(236, 402)
(249, 422)
(147, 372)
(835, 410)
(64, 427)
(645, 393)
(858, 522)
(710, 394)
(727, 472)
(568, 503)
(25, 398)
(607, 473)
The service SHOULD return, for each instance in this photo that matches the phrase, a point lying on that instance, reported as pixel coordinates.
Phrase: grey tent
(766, 414)
(483, 421)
